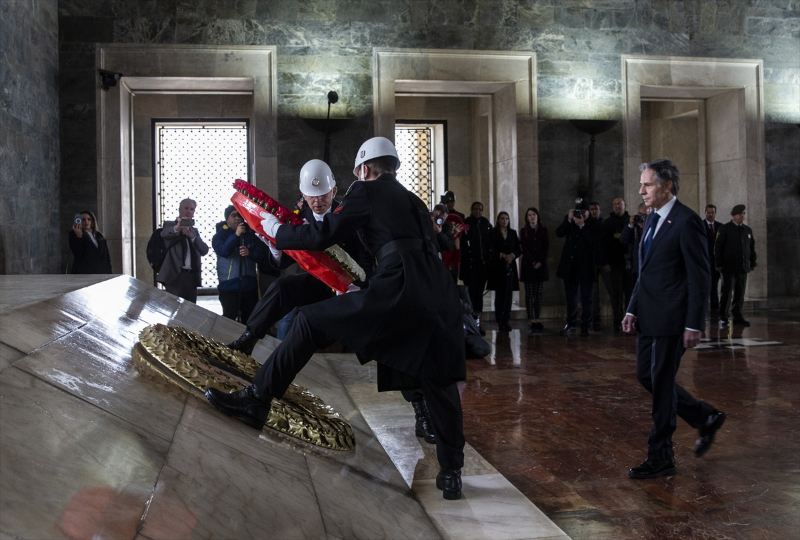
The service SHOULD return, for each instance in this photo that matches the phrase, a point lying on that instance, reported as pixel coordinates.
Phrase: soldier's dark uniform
(289, 292)
(735, 253)
(404, 319)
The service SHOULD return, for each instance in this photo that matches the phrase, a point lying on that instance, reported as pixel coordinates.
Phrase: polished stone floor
(563, 419)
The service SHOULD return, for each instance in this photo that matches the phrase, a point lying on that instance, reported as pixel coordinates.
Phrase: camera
(638, 218)
(77, 219)
(578, 213)
(439, 221)
(187, 222)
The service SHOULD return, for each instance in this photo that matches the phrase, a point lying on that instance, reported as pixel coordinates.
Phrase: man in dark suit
(668, 311)
(712, 228)
(735, 257)
(405, 318)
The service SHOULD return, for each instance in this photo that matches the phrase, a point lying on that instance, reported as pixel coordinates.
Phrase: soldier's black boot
(423, 426)
(248, 405)
(449, 481)
(244, 343)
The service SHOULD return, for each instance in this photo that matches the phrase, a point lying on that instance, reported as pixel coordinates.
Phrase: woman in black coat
(535, 244)
(503, 278)
(89, 247)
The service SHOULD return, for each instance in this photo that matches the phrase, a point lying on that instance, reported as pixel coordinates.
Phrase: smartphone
(77, 219)
(187, 222)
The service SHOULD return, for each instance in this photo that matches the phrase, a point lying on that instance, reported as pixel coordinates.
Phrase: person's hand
(571, 215)
(457, 228)
(691, 338)
(719, 269)
(537, 266)
(77, 229)
(578, 219)
(276, 253)
(241, 229)
(270, 223)
(187, 232)
(510, 258)
(629, 324)
(243, 251)
(631, 220)
(607, 268)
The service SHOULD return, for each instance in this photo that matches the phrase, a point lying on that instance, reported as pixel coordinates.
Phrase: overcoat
(503, 275)
(89, 259)
(535, 246)
(578, 258)
(735, 249)
(171, 267)
(407, 319)
(477, 249)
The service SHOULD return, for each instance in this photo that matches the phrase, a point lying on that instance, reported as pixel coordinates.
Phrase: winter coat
(502, 272)
(226, 245)
(89, 259)
(535, 246)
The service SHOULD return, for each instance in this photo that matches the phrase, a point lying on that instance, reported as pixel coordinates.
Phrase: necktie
(651, 231)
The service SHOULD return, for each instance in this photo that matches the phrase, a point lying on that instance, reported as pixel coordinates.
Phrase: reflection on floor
(92, 448)
(565, 418)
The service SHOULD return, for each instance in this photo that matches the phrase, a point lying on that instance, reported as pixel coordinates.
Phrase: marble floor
(563, 419)
(93, 447)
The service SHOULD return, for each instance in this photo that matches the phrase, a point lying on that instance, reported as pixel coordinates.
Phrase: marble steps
(91, 447)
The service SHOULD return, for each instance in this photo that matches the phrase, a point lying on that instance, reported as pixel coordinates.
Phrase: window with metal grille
(420, 148)
(199, 160)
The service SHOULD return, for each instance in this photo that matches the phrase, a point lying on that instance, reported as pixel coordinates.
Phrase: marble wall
(783, 208)
(29, 138)
(328, 45)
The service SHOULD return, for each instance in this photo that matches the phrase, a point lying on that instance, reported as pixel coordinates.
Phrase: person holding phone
(180, 271)
(88, 246)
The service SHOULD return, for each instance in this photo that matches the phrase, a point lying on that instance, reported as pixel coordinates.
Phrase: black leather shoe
(569, 330)
(244, 343)
(741, 322)
(653, 469)
(246, 405)
(449, 481)
(423, 426)
(707, 432)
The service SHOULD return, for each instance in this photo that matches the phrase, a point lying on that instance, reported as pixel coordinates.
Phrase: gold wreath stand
(184, 356)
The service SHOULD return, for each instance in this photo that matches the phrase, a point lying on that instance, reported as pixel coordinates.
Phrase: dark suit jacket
(672, 291)
(712, 238)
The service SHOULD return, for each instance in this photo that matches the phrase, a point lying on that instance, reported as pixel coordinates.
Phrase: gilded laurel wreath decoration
(193, 361)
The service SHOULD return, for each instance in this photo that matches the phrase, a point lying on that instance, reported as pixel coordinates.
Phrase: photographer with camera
(577, 265)
(631, 236)
(88, 246)
(180, 271)
(445, 237)
(238, 251)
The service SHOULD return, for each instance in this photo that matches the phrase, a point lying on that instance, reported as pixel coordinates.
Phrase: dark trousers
(476, 287)
(184, 286)
(714, 297)
(502, 300)
(620, 286)
(657, 363)
(571, 291)
(732, 283)
(230, 303)
(441, 397)
(283, 295)
(600, 276)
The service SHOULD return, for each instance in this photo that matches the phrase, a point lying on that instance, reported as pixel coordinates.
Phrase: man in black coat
(477, 255)
(631, 237)
(667, 311)
(735, 257)
(405, 318)
(318, 187)
(577, 266)
(612, 261)
(712, 228)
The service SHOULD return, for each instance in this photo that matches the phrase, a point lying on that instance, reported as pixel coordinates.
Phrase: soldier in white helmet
(405, 319)
(318, 188)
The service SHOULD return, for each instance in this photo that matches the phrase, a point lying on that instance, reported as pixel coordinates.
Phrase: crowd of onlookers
(597, 250)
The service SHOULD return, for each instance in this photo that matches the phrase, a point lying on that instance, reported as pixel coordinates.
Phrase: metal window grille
(200, 162)
(415, 149)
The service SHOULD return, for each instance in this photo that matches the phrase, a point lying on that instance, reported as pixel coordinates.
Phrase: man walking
(734, 258)
(668, 310)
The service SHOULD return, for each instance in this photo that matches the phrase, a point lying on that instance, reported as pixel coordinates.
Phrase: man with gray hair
(667, 311)
(180, 271)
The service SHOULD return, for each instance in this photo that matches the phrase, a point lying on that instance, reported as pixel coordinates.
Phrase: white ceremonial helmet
(316, 178)
(374, 148)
